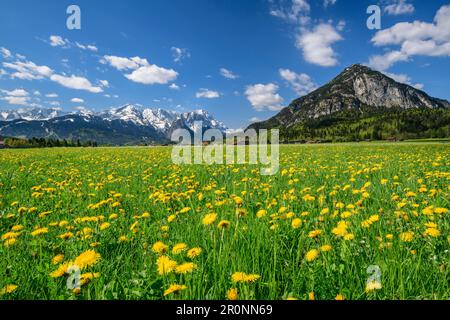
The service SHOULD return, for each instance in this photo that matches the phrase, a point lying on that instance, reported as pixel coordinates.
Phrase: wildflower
(311, 255)
(10, 235)
(238, 201)
(406, 236)
(159, 247)
(62, 270)
(194, 252)
(184, 210)
(39, 231)
(8, 289)
(315, 233)
(224, 224)
(261, 213)
(440, 210)
(209, 219)
(57, 259)
(349, 237)
(326, 248)
(311, 296)
(87, 277)
(232, 294)
(66, 235)
(433, 232)
(187, 267)
(165, 265)
(339, 297)
(296, 223)
(10, 242)
(178, 248)
(372, 286)
(104, 225)
(87, 259)
(174, 289)
(244, 277)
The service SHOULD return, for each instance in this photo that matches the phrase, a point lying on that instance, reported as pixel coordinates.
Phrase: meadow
(342, 221)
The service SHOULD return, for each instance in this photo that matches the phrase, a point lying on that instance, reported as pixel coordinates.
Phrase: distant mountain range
(361, 103)
(128, 124)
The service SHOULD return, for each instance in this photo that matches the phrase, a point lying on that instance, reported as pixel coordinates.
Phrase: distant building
(2, 143)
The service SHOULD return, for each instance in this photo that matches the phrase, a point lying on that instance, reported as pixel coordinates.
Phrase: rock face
(358, 89)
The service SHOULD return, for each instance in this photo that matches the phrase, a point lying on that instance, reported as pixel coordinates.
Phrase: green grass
(139, 180)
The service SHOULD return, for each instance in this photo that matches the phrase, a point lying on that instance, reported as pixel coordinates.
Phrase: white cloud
(36, 93)
(316, 45)
(414, 38)
(16, 93)
(297, 12)
(264, 96)
(86, 47)
(301, 83)
(19, 101)
(121, 63)
(207, 94)
(5, 53)
(57, 41)
(77, 100)
(104, 83)
(74, 82)
(143, 71)
(398, 7)
(228, 74)
(27, 70)
(152, 74)
(173, 86)
(51, 95)
(327, 3)
(179, 54)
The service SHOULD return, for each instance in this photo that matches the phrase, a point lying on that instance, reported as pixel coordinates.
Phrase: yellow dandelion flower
(159, 247)
(372, 286)
(57, 259)
(311, 255)
(105, 225)
(194, 252)
(232, 294)
(261, 213)
(296, 223)
(244, 277)
(39, 231)
(224, 224)
(326, 248)
(10, 288)
(209, 219)
(315, 233)
(187, 267)
(406, 236)
(87, 259)
(433, 232)
(174, 289)
(165, 265)
(62, 270)
(179, 248)
(339, 297)
(311, 296)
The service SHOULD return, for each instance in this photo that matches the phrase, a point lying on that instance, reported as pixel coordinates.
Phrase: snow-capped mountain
(31, 114)
(128, 124)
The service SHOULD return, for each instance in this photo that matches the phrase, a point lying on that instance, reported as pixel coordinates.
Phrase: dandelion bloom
(315, 233)
(224, 224)
(194, 252)
(311, 255)
(311, 296)
(244, 277)
(339, 297)
(326, 248)
(406, 236)
(179, 248)
(261, 213)
(39, 231)
(232, 294)
(159, 247)
(174, 288)
(87, 277)
(372, 286)
(296, 223)
(209, 219)
(57, 259)
(62, 270)
(433, 232)
(8, 289)
(184, 268)
(87, 259)
(165, 265)
(104, 225)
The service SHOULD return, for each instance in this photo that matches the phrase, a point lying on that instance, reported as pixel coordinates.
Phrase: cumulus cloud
(264, 96)
(18, 97)
(174, 86)
(297, 12)
(86, 47)
(77, 100)
(316, 45)
(52, 95)
(27, 70)
(207, 94)
(180, 54)
(104, 83)
(143, 72)
(414, 38)
(301, 83)
(228, 74)
(398, 7)
(5, 53)
(74, 82)
(57, 41)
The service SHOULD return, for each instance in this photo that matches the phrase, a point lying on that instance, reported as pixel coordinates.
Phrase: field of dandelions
(350, 221)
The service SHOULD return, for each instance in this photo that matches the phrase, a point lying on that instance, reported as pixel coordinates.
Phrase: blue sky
(240, 60)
